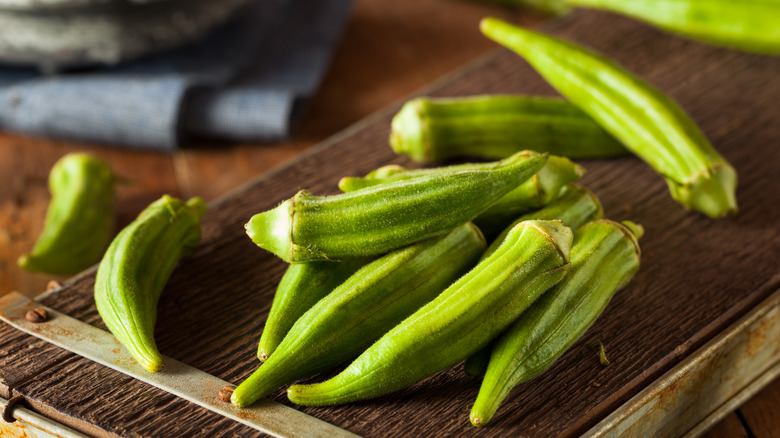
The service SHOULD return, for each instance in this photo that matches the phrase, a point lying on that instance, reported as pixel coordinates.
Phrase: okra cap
(710, 191)
(409, 134)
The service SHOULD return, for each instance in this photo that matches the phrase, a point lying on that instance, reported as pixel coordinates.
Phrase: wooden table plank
(698, 275)
(729, 427)
(760, 412)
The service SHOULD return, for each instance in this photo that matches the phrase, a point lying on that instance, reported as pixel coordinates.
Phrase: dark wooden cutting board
(697, 275)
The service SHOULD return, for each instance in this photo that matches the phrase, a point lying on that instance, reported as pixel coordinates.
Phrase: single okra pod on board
(645, 120)
(80, 218)
(378, 219)
(534, 193)
(363, 308)
(458, 322)
(750, 25)
(136, 267)
(497, 126)
(604, 257)
(302, 285)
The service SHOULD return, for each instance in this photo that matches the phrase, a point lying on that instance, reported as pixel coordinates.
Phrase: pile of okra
(501, 265)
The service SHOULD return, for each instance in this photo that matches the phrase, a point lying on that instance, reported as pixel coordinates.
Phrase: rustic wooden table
(389, 50)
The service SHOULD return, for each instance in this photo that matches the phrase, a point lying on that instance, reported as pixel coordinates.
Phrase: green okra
(497, 126)
(459, 321)
(645, 120)
(136, 267)
(604, 257)
(80, 218)
(534, 193)
(576, 207)
(378, 219)
(363, 308)
(750, 25)
(302, 285)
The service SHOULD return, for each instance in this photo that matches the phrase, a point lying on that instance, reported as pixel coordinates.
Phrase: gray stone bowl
(106, 33)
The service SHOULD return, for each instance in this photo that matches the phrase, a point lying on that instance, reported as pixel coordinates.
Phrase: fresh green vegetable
(496, 127)
(376, 220)
(646, 121)
(363, 308)
(750, 25)
(534, 193)
(576, 207)
(80, 219)
(462, 319)
(604, 257)
(302, 285)
(136, 267)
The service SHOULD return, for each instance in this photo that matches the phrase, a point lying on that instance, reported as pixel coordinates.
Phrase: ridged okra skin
(497, 126)
(459, 321)
(576, 207)
(363, 308)
(750, 25)
(302, 285)
(536, 192)
(80, 218)
(604, 257)
(376, 220)
(136, 267)
(645, 120)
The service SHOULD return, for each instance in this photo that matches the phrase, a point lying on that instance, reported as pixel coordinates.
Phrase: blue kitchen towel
(242, 83)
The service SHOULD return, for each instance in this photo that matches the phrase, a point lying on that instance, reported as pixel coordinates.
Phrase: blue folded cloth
(241, 83)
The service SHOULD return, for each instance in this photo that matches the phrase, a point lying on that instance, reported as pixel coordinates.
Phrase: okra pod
(497, 126)
(363, 308)
(750, 25)
(576, 207)
(378, 219)
(459, 321)
(136, 267)
(302, 285)
(645, 120)
(534, 193)
(604, 257)
(80, 218)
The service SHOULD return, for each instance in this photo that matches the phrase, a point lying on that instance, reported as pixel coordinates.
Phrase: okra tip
(711, 191)
(408, 133)
(272, 230)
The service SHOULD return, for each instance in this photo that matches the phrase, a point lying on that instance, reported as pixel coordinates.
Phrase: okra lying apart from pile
(458, 322)
(363, 308)
(645, 120)
(497, 126)
(136, 267)
(378, 219)
(536, 192)
(750, 25)
(80, 218)
(604, 257)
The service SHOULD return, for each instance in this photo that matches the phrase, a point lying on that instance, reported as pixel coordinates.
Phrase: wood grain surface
(697, 276)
